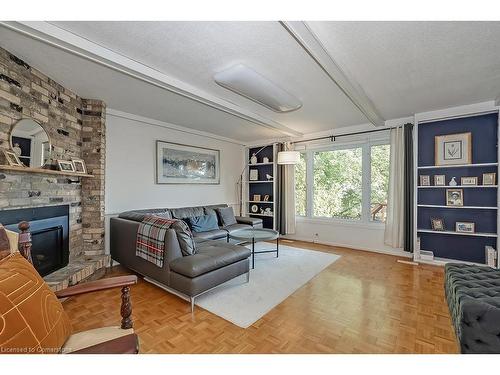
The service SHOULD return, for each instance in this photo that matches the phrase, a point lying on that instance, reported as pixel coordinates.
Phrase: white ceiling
(412, 67)
(403, 67)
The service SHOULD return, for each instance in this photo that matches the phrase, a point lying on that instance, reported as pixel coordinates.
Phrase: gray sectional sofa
(473, 295)
(214, 262)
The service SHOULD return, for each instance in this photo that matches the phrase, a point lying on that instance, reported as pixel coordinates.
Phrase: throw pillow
(185, 237)
(32, 320)
(226, 216)
(204, 223)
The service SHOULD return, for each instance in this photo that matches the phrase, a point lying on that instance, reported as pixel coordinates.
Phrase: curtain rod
(333, 137)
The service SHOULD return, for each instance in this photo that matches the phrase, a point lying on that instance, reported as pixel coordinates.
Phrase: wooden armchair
(32, 319)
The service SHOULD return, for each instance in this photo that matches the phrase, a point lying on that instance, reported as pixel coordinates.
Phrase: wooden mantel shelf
(42, 170)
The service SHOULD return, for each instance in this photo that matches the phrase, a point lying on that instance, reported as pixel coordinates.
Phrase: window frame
(365, 146)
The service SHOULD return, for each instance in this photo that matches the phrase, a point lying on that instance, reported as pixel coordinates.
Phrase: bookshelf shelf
(449, 232)
(477, 165)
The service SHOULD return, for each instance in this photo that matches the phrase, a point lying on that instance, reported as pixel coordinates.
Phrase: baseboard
(399, 253)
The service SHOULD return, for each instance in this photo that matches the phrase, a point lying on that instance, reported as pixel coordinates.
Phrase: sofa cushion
(235, 227)
(211, 256)
(139, 215)
(184, 212)
(203, 223)
(32, 320)
(210, 235)
(226, 216)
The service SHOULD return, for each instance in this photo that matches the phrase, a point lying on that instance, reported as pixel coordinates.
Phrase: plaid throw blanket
(150, 243)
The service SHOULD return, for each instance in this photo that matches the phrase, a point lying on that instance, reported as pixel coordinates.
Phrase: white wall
(130, 166)
(352, 235)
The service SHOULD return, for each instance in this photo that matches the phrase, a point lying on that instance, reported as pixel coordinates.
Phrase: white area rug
(272, 280)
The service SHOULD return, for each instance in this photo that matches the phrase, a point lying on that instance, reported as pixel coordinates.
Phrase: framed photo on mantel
(183, 164)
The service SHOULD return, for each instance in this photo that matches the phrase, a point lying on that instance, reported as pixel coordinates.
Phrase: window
(337, 185)
(300, 186)
(344, 182)
(379, 159)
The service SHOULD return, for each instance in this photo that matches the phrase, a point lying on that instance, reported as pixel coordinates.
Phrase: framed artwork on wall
(453, 149)
(183, 164)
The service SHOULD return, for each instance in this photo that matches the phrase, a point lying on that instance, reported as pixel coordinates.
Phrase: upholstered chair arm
(93, 286)
(128, 344)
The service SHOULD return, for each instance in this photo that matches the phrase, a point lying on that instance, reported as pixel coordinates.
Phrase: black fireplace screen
(49, 228)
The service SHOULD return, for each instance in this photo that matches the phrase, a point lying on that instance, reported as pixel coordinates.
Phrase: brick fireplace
(76, 128)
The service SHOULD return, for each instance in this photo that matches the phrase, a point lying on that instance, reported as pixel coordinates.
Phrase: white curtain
(394, 225)
(289, 187)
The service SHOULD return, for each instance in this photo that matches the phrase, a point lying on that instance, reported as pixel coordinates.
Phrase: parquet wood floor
(362, 303)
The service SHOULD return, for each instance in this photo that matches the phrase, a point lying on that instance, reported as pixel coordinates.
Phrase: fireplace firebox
(49, 228)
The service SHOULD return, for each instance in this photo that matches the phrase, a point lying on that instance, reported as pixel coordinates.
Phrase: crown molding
(77, 45)
(149, 121)
(305, 37)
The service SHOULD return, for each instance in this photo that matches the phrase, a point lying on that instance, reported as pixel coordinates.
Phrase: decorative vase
(453, 182)
(253, 159)
(265, 159)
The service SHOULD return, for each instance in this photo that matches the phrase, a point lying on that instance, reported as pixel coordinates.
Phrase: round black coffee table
(253, 235)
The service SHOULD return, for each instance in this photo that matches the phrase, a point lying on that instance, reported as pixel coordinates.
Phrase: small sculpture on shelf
(453, 181)
(253, 159)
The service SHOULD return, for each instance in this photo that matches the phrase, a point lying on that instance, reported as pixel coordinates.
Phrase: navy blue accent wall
(484, 137)
(484, 130)
(262, 188)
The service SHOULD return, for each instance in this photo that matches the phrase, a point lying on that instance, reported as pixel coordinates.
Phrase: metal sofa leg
(248, 276)
(191, 299)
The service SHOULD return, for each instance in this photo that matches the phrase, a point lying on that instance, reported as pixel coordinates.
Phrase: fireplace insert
(49, 228)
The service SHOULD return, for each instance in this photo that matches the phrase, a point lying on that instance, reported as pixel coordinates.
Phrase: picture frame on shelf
(453, 149)
(437, 224)
(256, 197)
(455, 197)
(11, 158)
(80, 166)
(254, 175)
(468, 181)
(425, 180)
(65, 166)
(440, 180)
(465, 227)
(489, 178)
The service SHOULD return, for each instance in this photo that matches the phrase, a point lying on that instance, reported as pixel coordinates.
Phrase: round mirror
(31, 143)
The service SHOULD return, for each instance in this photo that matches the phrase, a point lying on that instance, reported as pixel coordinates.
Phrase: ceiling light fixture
(250, 84)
